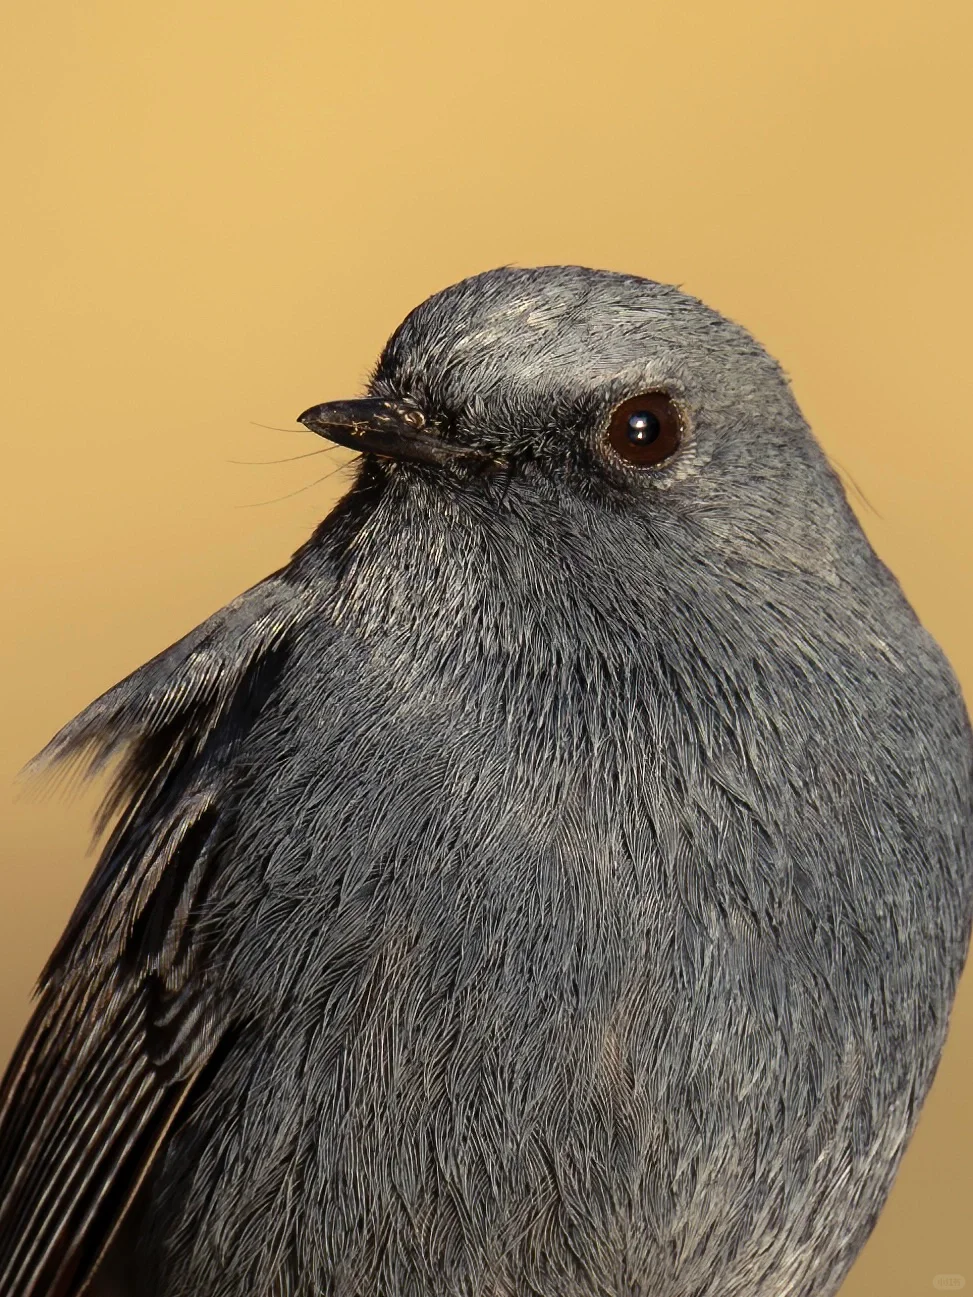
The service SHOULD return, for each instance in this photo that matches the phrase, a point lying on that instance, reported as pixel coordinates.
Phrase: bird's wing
(127, 1024)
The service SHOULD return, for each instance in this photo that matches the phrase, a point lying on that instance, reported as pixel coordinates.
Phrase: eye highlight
(644, 430)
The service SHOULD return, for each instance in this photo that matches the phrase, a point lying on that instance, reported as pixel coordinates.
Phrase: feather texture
(553, 883)
(127, 1017)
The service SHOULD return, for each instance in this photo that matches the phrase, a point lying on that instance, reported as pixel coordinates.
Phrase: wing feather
(128, 1018)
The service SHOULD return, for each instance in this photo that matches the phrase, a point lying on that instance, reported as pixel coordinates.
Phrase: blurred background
(217, 212)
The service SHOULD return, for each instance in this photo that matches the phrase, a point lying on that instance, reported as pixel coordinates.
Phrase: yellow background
(216, 211)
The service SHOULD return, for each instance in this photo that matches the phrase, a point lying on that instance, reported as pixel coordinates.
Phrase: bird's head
(620, 414)
(582, 378)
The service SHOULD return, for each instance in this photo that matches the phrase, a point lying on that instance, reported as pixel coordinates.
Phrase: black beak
(385, 428)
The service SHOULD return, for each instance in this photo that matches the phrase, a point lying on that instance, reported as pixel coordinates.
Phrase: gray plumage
(553, 881)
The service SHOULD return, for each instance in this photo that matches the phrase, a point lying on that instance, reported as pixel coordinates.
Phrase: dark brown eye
(645, 430)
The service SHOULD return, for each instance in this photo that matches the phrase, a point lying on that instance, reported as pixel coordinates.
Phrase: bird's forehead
(535, 329)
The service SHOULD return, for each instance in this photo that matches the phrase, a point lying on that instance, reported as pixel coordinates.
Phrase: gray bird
(553, 882)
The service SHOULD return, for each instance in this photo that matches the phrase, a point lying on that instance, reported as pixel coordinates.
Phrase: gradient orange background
(216, 212)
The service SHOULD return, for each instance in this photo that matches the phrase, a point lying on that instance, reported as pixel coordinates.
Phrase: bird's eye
(645, 430)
